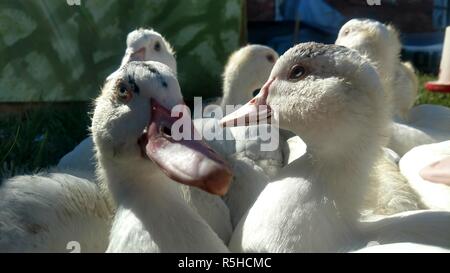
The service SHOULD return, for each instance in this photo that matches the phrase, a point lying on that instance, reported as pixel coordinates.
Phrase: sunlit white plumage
(433, 195)
(313, 204)
(152, 213)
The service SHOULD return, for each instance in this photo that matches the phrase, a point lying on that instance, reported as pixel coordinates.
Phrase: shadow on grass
(37, 138)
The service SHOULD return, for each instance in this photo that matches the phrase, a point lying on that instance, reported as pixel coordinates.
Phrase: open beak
(188, 161)
(256, 111)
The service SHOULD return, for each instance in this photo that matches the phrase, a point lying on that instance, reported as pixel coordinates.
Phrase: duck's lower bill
(187, 161)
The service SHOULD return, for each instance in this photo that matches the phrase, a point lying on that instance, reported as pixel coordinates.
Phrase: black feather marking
(133, 84)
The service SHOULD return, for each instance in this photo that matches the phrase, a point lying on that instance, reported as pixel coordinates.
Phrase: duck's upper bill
(256, 111)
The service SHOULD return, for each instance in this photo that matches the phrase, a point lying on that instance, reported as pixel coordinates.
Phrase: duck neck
(343, 174)
(158, 204)
(236, 90)
(135, 184)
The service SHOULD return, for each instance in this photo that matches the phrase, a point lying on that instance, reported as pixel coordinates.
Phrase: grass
(425, 97)
(37, 139)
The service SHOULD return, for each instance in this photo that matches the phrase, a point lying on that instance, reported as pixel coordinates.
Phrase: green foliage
(425, 96)
(38, 138)
(50, 51)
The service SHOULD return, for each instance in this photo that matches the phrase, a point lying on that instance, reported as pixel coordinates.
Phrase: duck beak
(256, 111)
(437, 172)
(130, 56)
(133, 55)
(187, 161)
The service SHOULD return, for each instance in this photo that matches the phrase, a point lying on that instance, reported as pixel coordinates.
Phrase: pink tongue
(437, 172)
(187, 161)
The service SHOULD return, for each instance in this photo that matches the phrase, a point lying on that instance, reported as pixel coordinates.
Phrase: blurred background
(54, 57)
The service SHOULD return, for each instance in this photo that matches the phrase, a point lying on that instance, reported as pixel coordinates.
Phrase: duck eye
(157, 46)
(270, 58)
(297, 72)
(346, 32)
(124, 94)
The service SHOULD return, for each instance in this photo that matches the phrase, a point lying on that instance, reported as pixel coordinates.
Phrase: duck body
(429, 227)
(389, 192)
(81, 160)
(429, 115)
(404, 137)
(314, 205)
(423, 124)
(159, 220)
(433, 195)
(402, 248)
(46, 212)
(241, 148)
(293, 214)
(212, 209)
(405, 87)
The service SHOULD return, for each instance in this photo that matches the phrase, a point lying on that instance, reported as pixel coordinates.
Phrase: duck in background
(380, 44)
(142, 45)
(413, 126)
(243, 147)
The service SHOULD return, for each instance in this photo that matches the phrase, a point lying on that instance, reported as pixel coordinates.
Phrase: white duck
(142, 45)
(427, 124)
(419, 166)
(137, 150)
(246, 70)
(381, 44)
(423, 124)
(334, 100)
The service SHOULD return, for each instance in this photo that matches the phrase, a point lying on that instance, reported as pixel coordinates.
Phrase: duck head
(375, 40)
(247, 70)
(132, 126)
(326, 94)
(147, 45)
